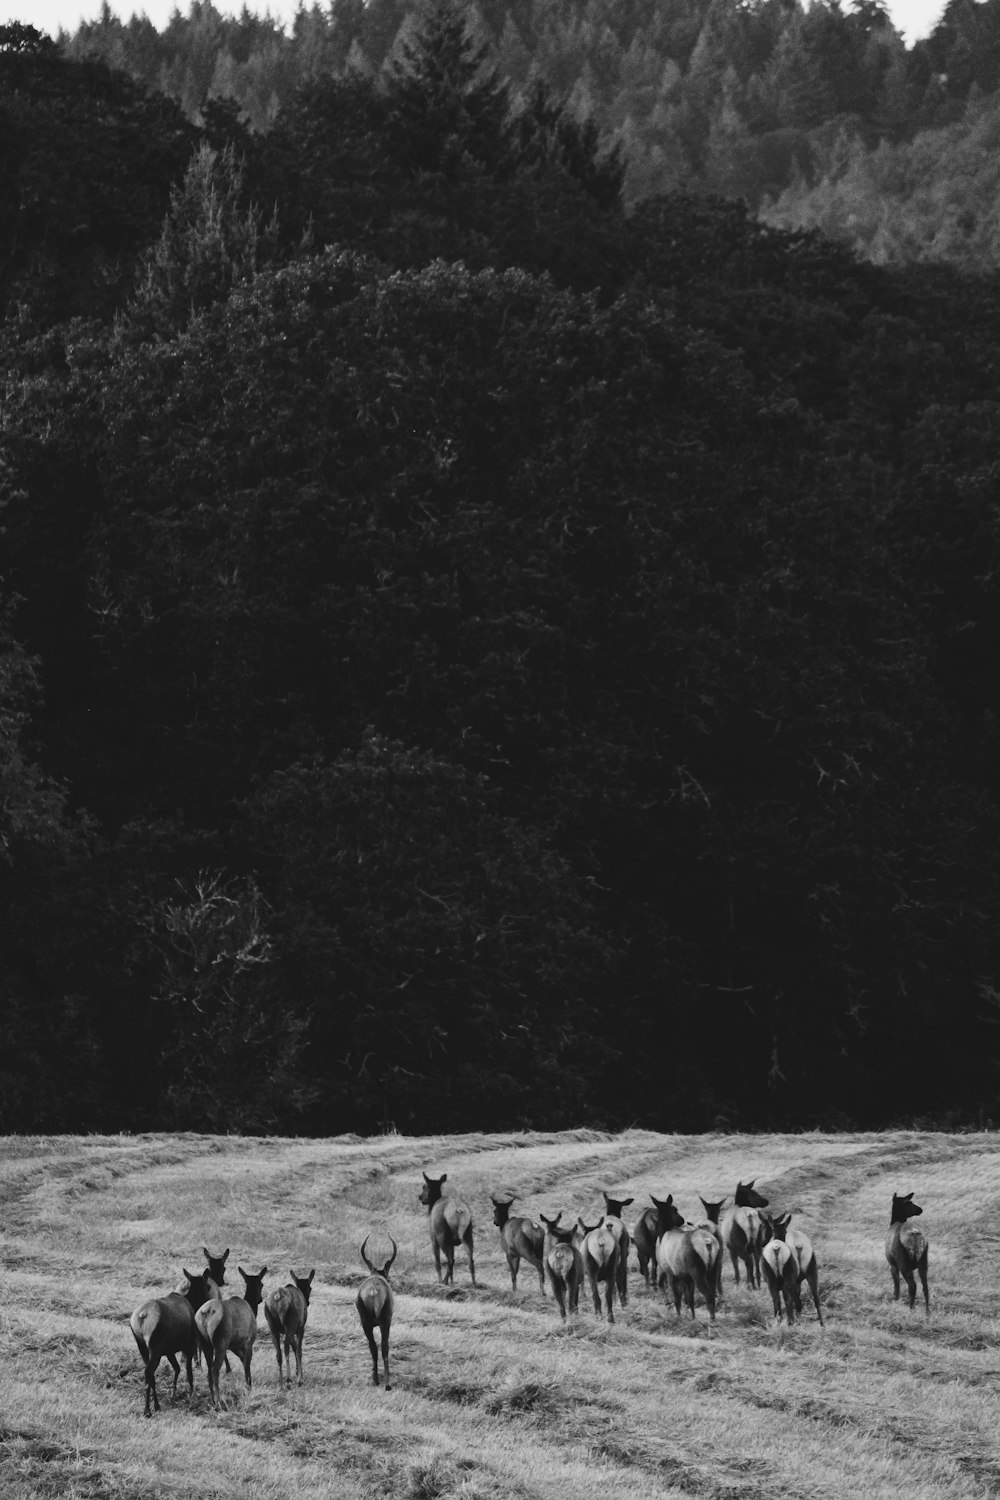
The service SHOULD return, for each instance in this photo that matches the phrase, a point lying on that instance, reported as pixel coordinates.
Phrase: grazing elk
(563, 1264)
(741, 1232)
(451, 1225)
(521, 1238)
(686, 1258)
(286, 1312)
(644, 1234)
(164, 1327)
(781, 1268)
(375, 1304)
(599, 1253)
(906, 1249)
(230, 1323)
(613, 1212)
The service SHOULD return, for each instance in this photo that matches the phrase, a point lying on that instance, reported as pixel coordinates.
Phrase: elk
(644, 1235)
(613, 1212)
(599, 1251)
(711, 1223)
(521, 1238)
(216, 1265)
(230, 1324)
(286, 1311)
(563, 1265)
(685, 1258)
(740, 1230)
(451, 1225)
(906, 1249)
(801, 1247)
(164, 1327)
(375, 1305)
(781, 1269)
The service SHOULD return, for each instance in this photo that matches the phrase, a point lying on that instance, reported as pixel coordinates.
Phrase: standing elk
(286, 1312)
(230, 1324)
(741, 1232)
(685, 1258)
(375, 1304)
(451, 1225)
(521, 1238)
(711, 1223)
(781, 1269)
(216, 1266)
(906, 1249)
(613, 1211)
(563, 1265)
(164, 1327)
(644, 1234)
(599, 1254)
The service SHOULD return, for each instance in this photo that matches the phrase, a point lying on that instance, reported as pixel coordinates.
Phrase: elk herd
(678, 1258)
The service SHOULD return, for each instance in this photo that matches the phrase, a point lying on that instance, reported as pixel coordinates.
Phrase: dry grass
(492, 1396)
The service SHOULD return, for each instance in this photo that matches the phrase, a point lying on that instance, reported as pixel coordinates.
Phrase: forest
(478, 650)
(815, 112)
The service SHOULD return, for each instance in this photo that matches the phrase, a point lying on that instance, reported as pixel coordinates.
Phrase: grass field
(492, 1396)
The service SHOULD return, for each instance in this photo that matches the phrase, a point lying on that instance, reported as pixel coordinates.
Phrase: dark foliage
(469, 650)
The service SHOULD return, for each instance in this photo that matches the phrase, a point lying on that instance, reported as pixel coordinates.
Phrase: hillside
(491, 1396)
(818, 113)
(465, 644)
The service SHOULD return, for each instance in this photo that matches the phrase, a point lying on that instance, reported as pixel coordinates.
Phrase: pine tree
(447, 104)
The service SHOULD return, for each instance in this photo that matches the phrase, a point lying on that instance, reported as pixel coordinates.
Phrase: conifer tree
(208, 243)
(447, 105)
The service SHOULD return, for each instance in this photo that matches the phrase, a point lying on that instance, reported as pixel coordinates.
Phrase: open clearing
(492, 1396)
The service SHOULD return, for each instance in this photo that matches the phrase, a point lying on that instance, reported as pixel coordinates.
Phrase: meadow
(492, 1396)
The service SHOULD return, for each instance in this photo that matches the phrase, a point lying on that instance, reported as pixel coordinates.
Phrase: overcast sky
(914, 18)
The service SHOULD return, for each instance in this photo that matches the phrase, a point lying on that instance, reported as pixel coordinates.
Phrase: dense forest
(476, 652)
(815, 112)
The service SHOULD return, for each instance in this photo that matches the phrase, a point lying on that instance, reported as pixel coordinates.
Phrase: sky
(914, 18)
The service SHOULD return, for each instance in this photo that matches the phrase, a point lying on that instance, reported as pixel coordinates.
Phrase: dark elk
(164, 1327)
(230, 1324)
(451, 1225)
(286, 1313)
(521, 1238)
(644, 1234)
(375, 1305)
(906, 1249)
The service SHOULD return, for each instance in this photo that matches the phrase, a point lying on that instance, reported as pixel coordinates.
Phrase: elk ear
(443, 1177)
(243, 1273)
(426, 1178)
(262, 1273)
(626, 1202)
(187, 1273)
(225, 1256)
(312, 1273)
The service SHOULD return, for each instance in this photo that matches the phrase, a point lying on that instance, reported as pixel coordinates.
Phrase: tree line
(470, 647)
(818, 115)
